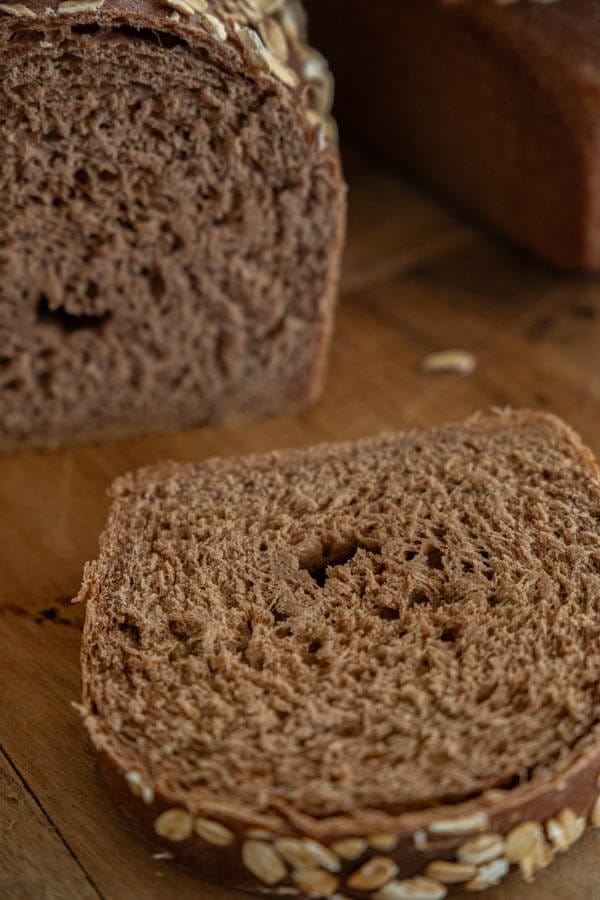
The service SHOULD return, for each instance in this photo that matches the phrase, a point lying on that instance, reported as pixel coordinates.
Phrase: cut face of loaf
(375, 663)
(172, 215)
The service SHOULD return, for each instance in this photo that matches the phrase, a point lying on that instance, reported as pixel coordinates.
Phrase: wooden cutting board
(416, 280)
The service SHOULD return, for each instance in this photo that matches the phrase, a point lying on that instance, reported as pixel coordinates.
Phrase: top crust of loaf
(359, 633)
(270, 38)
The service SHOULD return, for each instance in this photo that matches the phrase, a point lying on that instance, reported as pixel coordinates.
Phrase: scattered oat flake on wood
(457, 361)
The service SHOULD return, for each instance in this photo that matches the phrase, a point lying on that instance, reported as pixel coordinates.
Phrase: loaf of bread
(172, 215)
(497, 103)
(367, 670)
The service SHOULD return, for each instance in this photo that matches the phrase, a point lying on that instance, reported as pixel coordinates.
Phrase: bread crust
(237, 35)
(436, 851)
(411, 846)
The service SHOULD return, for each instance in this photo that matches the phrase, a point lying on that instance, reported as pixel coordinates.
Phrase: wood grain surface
(416, 280)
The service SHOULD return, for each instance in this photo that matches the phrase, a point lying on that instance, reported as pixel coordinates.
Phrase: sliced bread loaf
(171, 219)
(366, 669)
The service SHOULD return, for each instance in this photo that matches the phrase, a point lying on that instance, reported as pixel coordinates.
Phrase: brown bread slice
(350, 667)
(172, 215)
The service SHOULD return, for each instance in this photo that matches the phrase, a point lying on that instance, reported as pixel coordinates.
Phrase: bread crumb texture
(365, 667)
(172, 215)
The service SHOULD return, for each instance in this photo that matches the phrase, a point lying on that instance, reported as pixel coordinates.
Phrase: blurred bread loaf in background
(498, 104)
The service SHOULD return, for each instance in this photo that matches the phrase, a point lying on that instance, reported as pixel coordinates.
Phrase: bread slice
(368, 668)
(496, 103)
(172, 216)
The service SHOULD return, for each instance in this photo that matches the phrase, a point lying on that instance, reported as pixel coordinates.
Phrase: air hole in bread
(178, 630)
(330, 555)
(107, 177)
(91, 28)
(150, 36)
(157, 284)
(278, 616)
(131, 631)
(434, 557)
(419, 597)
(284, 632)
(450, 634)
(388, 613)
(516, 780)
(66, 321)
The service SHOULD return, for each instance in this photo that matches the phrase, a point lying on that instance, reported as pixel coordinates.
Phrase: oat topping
(263, 861)
(18, 10)
(383, 841)
(70, 7)
(138, 788)
(305, 853)
(174, 825)
(316, 882)
(182, 6)
(489, 875)
(450, 872)
(565, 829)
(418, 888)
(350, 848)
(373, 874)
(420, 840)
(481, 849)
(463, 825)
(214, 833)
(526, 845)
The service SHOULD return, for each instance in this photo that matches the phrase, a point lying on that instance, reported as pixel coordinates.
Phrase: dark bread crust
(495, 104)
(529, 822)
(94, 359)
(576, 791)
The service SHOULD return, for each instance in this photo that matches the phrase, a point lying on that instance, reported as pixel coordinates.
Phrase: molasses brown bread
(495, 103)
(172, 215)
(367, 669)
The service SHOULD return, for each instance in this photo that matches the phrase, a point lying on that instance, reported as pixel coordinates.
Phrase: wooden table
(417, 279)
